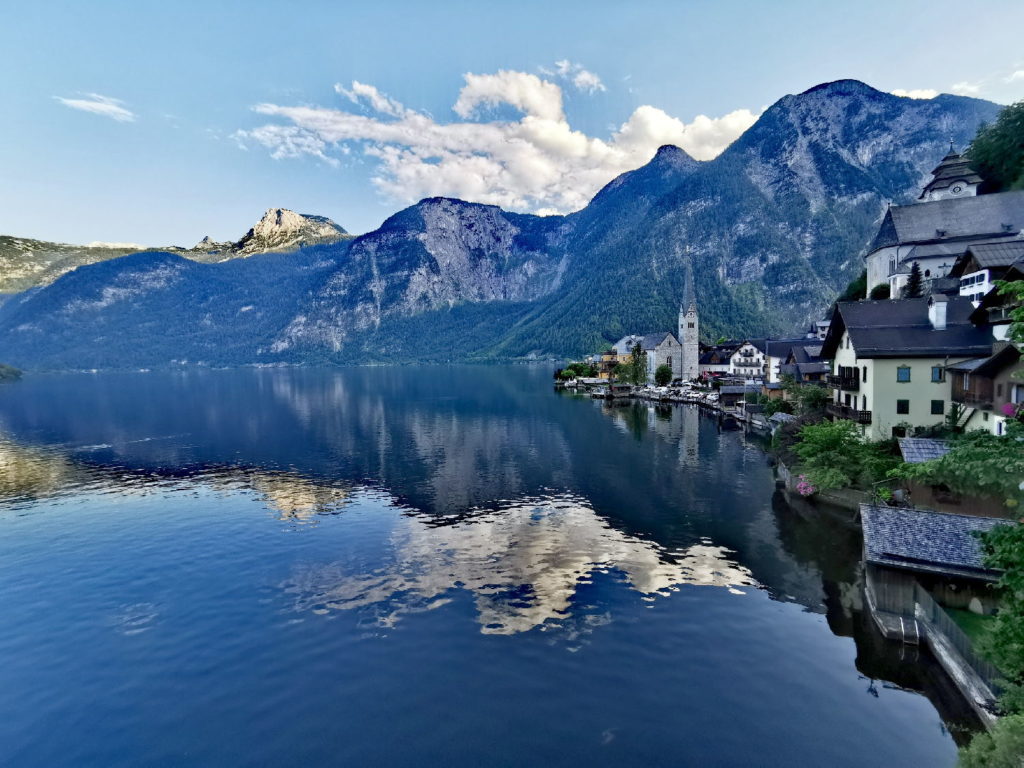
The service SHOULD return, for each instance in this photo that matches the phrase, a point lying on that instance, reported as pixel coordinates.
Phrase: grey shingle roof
(983, 216)
(652, 340)
(919, 449)
(738, 389)
(900, 328)
(993, 255)
(921, 540)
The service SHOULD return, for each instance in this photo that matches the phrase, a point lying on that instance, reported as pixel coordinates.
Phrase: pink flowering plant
(805, 487)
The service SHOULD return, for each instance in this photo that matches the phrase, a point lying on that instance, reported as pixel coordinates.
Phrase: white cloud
(577, 74)
(526, 92)
(100, 105)
(965, 88)
(1015, 76)
(537, 163)
(916, 93)
(360, 92)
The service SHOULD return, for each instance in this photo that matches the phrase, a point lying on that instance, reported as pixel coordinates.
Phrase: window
(863, 402)
(865, 379)
(927, 273)
(903, 373)
(669, 363)
(938, 373)
(938, 407)
(999, 390)
(689, 325)
(902, 407)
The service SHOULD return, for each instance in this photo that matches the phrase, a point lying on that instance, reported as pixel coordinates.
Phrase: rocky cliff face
(26, 263)
(284, 230)
(438, 254)
(773, 228)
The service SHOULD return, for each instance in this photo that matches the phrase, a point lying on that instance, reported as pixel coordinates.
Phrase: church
(680, 352)
(952, 214)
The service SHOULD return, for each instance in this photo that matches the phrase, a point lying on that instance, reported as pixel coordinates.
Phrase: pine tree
(915, 286)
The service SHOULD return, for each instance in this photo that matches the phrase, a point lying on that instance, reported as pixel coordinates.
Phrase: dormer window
(940, 232)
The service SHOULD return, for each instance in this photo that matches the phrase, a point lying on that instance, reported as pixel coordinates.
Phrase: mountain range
(772, 229)
(26, 263)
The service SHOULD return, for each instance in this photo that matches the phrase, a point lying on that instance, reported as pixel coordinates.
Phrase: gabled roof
(994, 298)
(900, 328)
(922, 540)
(781, 347)
(991, 366)
(652, 340)
(916, 450)
(962, 218)
(997, 255)
(805, 353)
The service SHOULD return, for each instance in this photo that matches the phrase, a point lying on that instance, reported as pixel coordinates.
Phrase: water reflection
(492, 488)
(523, 565)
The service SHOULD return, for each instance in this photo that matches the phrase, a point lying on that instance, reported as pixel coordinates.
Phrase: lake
(449, 566)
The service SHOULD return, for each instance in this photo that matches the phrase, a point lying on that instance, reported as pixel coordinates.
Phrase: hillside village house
(950, 218)
(748, 361)
(981, 266)
(987, 388)
(890, 360)
(715, 362)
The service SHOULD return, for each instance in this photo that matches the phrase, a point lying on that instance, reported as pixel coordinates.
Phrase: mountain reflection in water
(409, 534)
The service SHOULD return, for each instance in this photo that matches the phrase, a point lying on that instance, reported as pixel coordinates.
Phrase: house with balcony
(749, 360)
(889, 360)
(989, 389)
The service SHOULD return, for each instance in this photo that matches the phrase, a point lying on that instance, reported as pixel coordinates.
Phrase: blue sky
(159, 123)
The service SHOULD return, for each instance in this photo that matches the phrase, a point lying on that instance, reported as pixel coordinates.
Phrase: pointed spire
(689, 297)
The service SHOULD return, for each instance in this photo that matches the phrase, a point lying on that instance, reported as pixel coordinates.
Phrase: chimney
(937, 311)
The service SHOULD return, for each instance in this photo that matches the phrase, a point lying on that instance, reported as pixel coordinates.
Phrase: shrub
(1002, 747)
(662, 375)
(834, 455)
(880, 292)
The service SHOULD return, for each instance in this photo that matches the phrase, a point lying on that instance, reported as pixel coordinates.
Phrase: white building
(950, 218)
(748, 360)
(890, 359)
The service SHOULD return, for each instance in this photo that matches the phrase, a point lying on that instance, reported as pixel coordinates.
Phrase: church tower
(689, 330)
(953, 177)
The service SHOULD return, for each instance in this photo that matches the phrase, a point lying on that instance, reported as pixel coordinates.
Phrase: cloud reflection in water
(523, 564)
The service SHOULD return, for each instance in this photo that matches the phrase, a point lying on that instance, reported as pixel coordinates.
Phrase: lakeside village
(904, 406)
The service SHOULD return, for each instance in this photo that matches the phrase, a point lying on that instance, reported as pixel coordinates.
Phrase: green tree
(978, 464)
(857, 288)
(1015, 292)
(834, 455)
(997, 152)
(1002, 747)
(663, 375)
(880, 291)
(1003, 547)
(915, 283)
(637, 373)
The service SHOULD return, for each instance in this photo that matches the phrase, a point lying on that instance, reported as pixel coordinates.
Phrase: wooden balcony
(845, 383)
(846, 412)
(980, 400)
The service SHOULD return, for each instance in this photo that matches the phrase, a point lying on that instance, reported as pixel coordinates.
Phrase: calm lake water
(448, 566)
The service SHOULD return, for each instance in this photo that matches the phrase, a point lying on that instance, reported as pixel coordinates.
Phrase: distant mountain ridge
(26, 262)
(773, 228)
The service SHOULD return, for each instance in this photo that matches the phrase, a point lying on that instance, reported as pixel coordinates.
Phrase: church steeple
(689, 327)
(952, 177)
